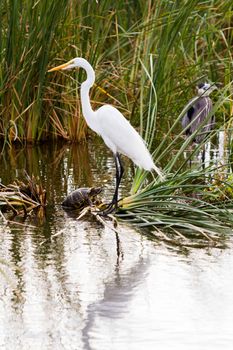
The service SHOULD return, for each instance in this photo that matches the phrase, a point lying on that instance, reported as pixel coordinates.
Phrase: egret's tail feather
(159, 172)
(147, 163)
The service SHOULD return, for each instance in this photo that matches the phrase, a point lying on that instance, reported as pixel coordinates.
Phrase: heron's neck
(204, 94)
(87, 110)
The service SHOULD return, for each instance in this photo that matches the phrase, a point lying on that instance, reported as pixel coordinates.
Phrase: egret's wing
(120, 136)
(119, 132)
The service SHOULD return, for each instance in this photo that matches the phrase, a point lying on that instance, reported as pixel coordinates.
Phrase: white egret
(117, 133)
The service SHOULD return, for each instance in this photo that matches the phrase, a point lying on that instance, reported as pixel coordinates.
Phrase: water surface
(93, 288)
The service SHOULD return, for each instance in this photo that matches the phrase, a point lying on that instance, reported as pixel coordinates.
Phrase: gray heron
(198, 113)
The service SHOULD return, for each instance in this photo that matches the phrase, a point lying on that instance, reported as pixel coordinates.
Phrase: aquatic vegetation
(183, 208)
(22, 197)
(220, 189)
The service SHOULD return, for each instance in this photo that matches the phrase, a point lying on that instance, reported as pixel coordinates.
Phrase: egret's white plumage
(120, 136)
(117, 133)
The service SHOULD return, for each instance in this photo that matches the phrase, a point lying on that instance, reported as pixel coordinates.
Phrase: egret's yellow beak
(62, 66)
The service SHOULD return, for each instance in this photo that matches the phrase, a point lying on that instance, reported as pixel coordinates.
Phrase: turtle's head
(94, 191)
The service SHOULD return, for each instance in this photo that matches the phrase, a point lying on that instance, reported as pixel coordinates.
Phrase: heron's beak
(62, 66)
(214, 87)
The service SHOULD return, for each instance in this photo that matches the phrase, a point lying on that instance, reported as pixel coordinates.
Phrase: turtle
(81, 198)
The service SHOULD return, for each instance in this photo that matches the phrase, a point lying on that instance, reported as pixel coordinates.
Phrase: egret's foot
(111, 207)
(107, 212)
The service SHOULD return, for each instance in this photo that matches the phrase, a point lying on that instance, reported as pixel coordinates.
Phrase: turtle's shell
(81, 197)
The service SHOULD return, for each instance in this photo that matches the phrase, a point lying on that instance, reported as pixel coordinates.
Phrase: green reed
(187, 41)
(28, 31)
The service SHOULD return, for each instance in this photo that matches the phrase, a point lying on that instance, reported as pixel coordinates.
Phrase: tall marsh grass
(183, 40)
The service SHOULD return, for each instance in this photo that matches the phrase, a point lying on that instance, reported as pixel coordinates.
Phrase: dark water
(93, 288)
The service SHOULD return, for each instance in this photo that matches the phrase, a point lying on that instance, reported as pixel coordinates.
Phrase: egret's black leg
(119, 173)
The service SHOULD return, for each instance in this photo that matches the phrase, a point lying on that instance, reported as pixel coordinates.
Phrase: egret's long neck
(87, 110)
